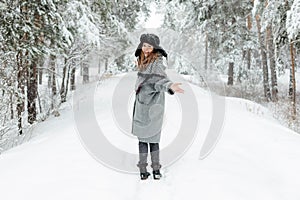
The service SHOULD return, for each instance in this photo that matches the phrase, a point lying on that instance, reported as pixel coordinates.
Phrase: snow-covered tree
(221, 23)
(26, 26)
(293, 21)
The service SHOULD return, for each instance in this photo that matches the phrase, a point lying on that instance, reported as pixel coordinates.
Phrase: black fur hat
(153, 40)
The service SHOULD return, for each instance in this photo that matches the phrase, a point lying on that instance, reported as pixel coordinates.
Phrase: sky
(155, 19)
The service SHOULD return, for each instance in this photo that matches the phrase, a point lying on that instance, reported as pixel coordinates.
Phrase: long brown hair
(143, 61)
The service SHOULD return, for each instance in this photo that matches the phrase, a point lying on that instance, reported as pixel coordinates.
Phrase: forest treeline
(252, 42)
(43, 43)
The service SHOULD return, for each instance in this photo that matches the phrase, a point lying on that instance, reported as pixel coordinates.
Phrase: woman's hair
(143, 61)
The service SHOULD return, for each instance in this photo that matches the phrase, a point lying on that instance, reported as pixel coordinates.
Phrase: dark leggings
(143, 154)
(143, 147)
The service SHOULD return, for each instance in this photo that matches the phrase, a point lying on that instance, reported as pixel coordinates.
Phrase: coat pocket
(147, 95)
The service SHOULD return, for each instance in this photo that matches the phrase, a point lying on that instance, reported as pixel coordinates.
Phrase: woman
(151, 84)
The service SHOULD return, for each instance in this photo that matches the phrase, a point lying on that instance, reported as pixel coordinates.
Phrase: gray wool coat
(149, 105)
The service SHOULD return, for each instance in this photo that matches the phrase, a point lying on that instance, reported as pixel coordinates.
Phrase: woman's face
(147, 49)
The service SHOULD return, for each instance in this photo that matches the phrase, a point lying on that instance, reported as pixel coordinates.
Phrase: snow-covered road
(255, 158)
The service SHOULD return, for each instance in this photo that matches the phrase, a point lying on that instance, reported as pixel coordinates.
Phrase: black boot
(143, 171)
(156, 171)
(144, 175)
(156, 174)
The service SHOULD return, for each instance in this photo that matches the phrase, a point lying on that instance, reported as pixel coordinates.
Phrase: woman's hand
(175, 87)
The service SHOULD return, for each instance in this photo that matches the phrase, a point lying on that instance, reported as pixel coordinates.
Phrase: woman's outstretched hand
(175, 87)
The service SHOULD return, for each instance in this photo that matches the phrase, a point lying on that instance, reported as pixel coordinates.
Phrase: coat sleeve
(164, 83)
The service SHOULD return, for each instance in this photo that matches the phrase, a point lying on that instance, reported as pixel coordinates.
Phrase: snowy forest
(252, 45)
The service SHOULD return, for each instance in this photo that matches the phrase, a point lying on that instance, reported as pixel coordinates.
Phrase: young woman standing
(151, 84)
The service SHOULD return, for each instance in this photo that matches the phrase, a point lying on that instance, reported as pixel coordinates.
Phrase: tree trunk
(249, 26)
(85, 72)
(212, 53)
(32, 85)
(230, 74)
(271, 51)
(206, 53)
(292, 85)
(242, 72)
(40, 76)
(248, 59)
(52, 80)
(106, 64)
(11, 106)
(32, 91)
(72, 79)
(53, 74)
(63, 88)
(99, 65)
(264, 61)
(49, 78)
(68, 78)
(39, 100)
(265, 74)
(39, 40)
(257, 57)
(21, 75)
(11, 94)
(21, 91)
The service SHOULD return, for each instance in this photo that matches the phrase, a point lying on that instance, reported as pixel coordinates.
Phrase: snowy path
(255, 158)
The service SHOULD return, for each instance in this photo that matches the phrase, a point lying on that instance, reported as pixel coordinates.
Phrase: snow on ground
(255, 158)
